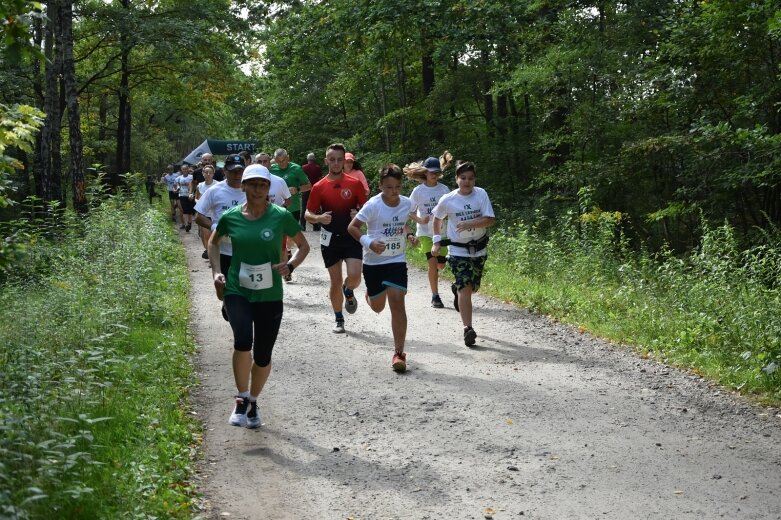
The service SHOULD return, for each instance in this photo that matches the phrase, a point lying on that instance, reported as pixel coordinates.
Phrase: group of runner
(249, 231)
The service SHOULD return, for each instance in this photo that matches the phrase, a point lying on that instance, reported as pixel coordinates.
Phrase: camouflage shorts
(467, 270)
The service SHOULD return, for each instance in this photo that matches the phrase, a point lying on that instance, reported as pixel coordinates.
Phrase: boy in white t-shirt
(384, 262)
(469, 213)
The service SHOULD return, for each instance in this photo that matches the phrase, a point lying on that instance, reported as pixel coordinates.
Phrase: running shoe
(399, 361)
(253, 416)
(455, 296)
(205, 255)
(436, 302)
(288, 277)
(188, 227)
(239, 415)
(469, 336)
(339, 327)
(350, 303)
(181, 227)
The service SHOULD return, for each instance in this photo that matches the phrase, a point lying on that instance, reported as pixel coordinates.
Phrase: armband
(366, 241)
(436, 239)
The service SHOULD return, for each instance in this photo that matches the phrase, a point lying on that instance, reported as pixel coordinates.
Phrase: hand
(413, 240)
(465, 225)
(325, 218)
(293, 190)
(219, 285)
(353, 212)
(377, 246)
(281, 268)
(435, 249)
(425, 220)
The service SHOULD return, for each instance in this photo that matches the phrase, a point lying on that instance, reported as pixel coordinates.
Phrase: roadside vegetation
(714, 311)
(94, 366)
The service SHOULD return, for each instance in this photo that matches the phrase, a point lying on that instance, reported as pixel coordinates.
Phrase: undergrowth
(94, 368)
(714, 311)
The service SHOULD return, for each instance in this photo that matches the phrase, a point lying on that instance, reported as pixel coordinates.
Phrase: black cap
(233, 162)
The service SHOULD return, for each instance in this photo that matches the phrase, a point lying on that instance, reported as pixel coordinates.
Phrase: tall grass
(94, 368)
(716, 311)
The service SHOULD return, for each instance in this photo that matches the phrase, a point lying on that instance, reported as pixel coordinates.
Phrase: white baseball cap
(256, 171)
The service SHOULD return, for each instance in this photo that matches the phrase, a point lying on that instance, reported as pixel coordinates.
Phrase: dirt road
(537, 421)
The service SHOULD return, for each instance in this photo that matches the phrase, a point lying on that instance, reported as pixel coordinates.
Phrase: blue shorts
(380, 277)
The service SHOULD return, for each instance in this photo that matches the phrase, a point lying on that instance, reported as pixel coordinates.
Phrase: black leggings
(255, 326)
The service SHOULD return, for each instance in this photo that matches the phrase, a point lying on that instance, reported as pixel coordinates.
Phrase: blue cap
(432, 164)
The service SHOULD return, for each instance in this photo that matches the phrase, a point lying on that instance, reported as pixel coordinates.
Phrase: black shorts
(173, 195)
(188, 205)
(255, 326)
(342, 247)
(380, 277)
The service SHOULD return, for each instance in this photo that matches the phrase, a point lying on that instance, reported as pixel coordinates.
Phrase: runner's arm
(214, 260)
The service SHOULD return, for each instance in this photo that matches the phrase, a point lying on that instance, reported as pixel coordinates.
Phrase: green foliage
(15, 30)
(714, 311)
(94, 362)
(18, 126)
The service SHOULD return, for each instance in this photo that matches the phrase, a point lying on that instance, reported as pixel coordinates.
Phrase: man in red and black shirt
(337, 198)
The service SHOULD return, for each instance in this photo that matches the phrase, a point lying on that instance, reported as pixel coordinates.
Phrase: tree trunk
(72, 100)
(401, 86)
(43, 184)
(429, 80)
(123, 119)
(488, 98)
(103, 127)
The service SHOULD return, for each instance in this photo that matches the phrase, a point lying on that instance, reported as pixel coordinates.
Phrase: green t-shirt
(256, 243)
(294, 176)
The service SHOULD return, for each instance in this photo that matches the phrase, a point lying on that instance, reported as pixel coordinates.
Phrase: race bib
(325, 237)
(256, 277)
(394, 245)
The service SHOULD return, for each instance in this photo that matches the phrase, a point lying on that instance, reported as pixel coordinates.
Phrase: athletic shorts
(426, 243)
(467, 270)
(255, 326)
(342, 247)
(380, 277)
(173, 195)
(188, 205)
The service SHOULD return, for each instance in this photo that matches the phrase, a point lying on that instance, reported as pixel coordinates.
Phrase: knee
(262, 358)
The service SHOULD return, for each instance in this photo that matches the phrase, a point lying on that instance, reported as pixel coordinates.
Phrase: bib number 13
(256, 277)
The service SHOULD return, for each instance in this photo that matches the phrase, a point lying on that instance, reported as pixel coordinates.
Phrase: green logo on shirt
(267, 234)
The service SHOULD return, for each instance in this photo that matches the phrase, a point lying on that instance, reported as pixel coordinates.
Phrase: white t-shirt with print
(184, 185)
(278, 192)
(424, 198)
(218, 199)
(385, 223)
(458, 208)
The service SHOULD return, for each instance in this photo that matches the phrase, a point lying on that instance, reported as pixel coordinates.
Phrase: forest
(664, 113)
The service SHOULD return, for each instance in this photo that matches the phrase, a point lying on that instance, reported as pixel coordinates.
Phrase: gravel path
(538, 421)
